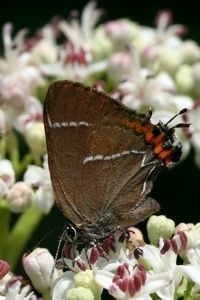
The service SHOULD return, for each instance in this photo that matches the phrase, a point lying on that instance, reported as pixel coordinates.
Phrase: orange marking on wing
(157, 140)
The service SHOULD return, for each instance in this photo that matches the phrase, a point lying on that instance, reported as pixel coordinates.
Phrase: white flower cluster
(145, 68)
(167, 271)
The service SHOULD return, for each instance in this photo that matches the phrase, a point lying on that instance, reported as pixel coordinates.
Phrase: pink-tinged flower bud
(40, 267)
(19, 197)
(35, 138)
(120, 66)
(7, 176)
(121, 30)
(4, 268)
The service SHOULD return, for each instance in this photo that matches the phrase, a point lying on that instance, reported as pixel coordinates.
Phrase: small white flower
(18, 76)
(14, 290)
(192, 134)
(7, 176)
(125, 278)
(192, 233)
(15, 67)
(158, 92)
(44, 49)
(77, 53)
(81, 34)
(33, 112)
(61, 285)
(193, 255)
(39, 178)
(167, 263)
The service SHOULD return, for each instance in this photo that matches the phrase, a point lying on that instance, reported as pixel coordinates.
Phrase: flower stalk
(15, 239)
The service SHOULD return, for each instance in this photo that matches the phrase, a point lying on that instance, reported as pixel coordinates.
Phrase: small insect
(103, 158)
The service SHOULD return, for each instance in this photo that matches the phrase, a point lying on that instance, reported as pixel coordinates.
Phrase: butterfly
(103, 158)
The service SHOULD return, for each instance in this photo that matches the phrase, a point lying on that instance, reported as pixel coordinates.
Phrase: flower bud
(184, 79)
(19, 197)
(7, 176)
(190, 52)
(120, 66)
(159, 226)
(79, 293)
(101, 46)
(168, 60)
(39, 266)
(121, 31)
(85, 280)
(35, 138)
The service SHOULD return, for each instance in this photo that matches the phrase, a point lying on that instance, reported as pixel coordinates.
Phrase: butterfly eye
(167, 145)
(70, 233)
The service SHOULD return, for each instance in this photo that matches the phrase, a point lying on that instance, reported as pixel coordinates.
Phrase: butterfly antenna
(182, 111)
(57, 252)
(45, 237)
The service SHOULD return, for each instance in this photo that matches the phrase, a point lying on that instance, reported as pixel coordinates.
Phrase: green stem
(188, 291)
(46, 296)
(4, 227)
(12, 146)
(20, 234)
(20, 168)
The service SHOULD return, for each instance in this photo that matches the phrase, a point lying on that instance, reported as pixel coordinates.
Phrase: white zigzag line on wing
(99, 157)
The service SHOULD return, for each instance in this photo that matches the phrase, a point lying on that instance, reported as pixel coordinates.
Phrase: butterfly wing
(98, 165)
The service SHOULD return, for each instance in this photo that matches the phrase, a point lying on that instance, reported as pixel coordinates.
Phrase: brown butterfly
(102, 158)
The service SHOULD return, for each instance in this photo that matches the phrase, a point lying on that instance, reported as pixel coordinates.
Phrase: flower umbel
(125, 275)
(144, 68)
